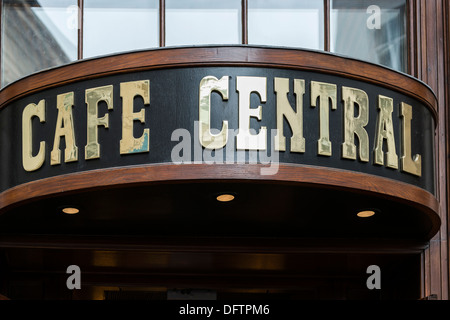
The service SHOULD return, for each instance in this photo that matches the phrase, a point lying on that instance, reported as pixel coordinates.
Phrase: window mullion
(162, 23)
(326, 27)
(244, 21)
(80, 28)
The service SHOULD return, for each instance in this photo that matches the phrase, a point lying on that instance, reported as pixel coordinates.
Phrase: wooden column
(433, 56)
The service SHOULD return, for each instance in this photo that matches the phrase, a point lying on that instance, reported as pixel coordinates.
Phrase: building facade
(242, 149)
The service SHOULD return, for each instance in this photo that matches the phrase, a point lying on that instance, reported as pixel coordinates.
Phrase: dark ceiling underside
(190, 209)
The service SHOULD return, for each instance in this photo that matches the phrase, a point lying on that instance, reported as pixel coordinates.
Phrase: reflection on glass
(117, 26)
(196, 22)
(370, 30)
(37, 34)
(292, 23)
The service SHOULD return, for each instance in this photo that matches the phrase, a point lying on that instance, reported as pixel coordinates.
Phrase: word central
(323, 97)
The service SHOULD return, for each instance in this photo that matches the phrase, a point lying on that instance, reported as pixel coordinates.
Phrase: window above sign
(117, 26)
(370, 30)
(41, 34)
(36, 35)
(286, 23)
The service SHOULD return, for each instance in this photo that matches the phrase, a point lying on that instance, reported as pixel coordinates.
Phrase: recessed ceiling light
(225, 197)
(70, 210)
(365, 213)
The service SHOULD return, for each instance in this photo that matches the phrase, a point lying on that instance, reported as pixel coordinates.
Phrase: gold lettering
(93, 97)
(207, 86)
(385, 131)
(245, 86)
(30, 162)
(129, 90)
(294, 118)
(408, 163)
(355, 126)
(64, 127)
(323, 96)
(325, 92)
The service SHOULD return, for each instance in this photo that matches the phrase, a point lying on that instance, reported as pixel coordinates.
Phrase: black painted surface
(174, 105)
(190, 210)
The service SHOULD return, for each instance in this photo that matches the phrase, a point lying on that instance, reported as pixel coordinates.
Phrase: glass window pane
(291, 23)
(371, 30)
(195, 22)
(117, 26)
(36, 35)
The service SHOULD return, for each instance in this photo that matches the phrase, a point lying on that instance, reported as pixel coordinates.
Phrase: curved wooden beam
(222, 56)
(169, 173)
(245, 56)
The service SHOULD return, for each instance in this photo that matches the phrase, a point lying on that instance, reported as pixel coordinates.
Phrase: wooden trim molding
(243, 55)
(169, 173)
(246, 56)
(214, 245)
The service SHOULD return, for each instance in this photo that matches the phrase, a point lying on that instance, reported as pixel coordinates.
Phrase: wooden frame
(80, 28)
(162, 24)
(429, 52)
(221, 56)
(411, 9)
(213, 245)
(327, 22)
(299, 174)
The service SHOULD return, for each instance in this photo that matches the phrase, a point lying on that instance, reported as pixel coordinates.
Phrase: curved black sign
(217, 115)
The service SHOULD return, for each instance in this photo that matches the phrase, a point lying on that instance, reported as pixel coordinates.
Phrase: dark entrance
(138, 269)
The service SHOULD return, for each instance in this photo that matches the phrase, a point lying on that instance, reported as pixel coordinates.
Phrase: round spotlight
(225, 197)
(70, 210)
(365, 213)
